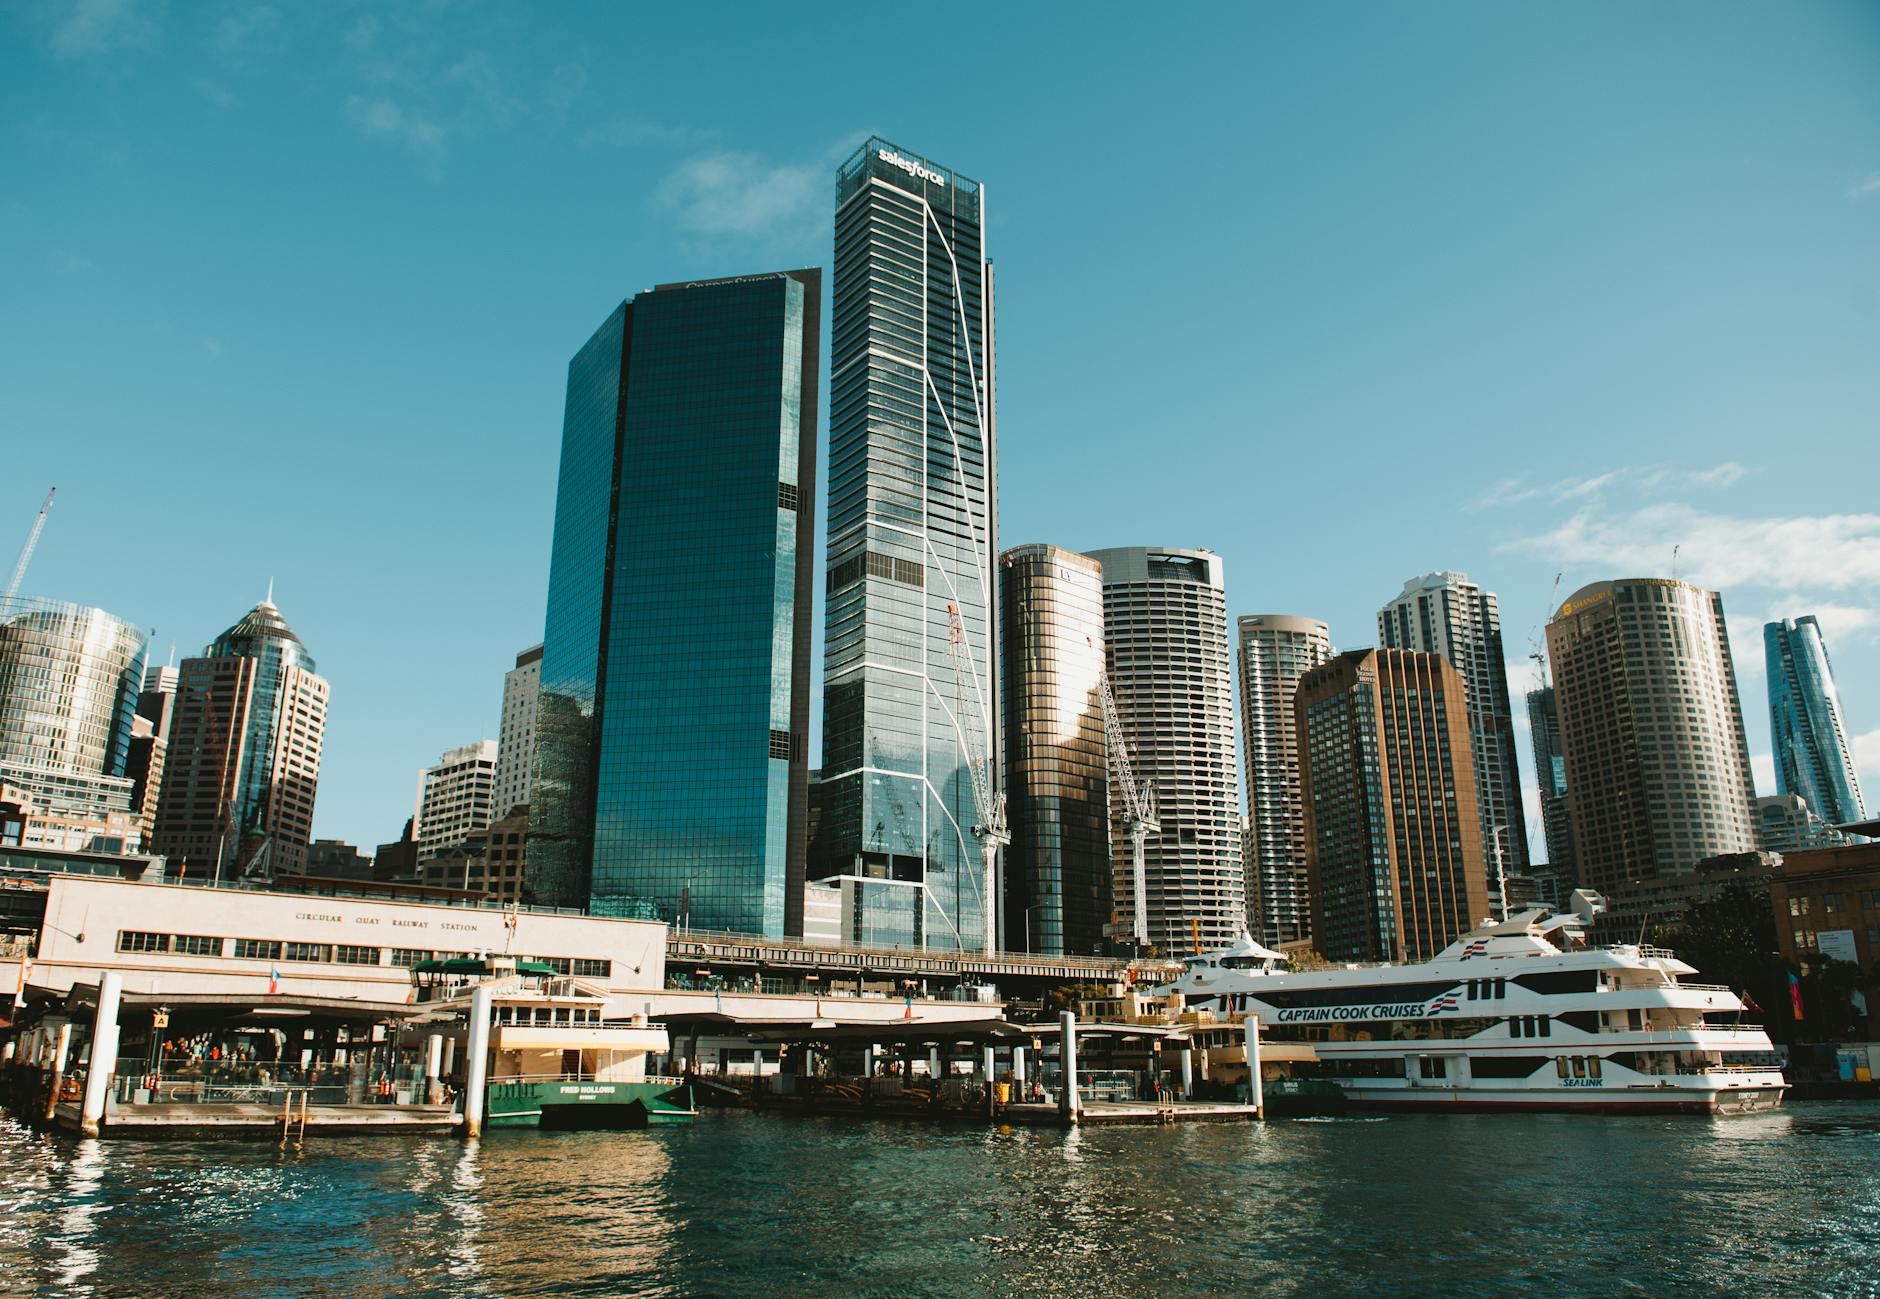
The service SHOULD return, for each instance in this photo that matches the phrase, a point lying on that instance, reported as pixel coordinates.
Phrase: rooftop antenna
(26, 555)
(270, 599)
(1674, 560)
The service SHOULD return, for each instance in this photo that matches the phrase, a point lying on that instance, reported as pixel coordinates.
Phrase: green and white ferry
(556, 1061)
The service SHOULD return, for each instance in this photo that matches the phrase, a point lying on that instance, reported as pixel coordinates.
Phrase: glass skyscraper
(1276, 650)
(1813, 757)
(1550, 773)
(671, 736)
(912, 530)
(1057, 881)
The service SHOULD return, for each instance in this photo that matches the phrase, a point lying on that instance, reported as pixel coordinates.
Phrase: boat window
(1514, 1027)
(1560, 1065)
(561, 1014)
(1505, 1066)
(1579, 1066)
(1554, 982)
(1501, 989)
(1592, 1066)
(1546, 1024)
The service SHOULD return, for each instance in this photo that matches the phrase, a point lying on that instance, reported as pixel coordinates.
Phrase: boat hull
(1632, 1100)
(566, 1105)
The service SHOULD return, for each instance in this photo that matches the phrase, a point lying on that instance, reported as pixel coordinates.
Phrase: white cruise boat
(1518, 1015)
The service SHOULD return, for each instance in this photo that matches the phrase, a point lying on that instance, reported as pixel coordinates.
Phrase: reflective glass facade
(1812, 754)
(242, 767)
(912, 530)
(69, 679)
(1550, 772)
(1057, 873)
(672, 716)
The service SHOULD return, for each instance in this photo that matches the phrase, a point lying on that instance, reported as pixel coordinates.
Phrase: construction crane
(1139, 814)
(26, 555)
(989, 804)
(1537, 643)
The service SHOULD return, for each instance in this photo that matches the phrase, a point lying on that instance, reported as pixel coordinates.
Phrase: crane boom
(991, 829)
(26, 555)
(1139, 814)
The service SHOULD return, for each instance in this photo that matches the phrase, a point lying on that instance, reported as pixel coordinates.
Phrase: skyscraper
(69, 680)
(1057, 873)
(150, 739)
(1447, 614)
(456, 797)
(1651, 730)
(1550, 773)
(244, 756)
(1395, 836)
(912, 531)
(1165, 624)
(672, 722)
(515, 741)
(1812, 754)
(1276, 649)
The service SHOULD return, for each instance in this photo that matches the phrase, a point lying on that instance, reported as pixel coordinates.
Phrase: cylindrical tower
(1057, 874)
(1276, 649)
(1165, 623)
(69, 678)
(1651, 730)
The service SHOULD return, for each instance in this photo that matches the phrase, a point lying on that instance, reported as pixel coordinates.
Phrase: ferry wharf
(985, 1071)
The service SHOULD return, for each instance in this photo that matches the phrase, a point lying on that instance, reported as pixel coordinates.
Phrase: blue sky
(1346, 293)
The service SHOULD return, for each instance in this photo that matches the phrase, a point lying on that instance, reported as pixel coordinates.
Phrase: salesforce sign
(911, 167)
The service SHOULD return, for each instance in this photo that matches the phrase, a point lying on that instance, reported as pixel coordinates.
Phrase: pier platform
(239, 1119)
(1117, 1112)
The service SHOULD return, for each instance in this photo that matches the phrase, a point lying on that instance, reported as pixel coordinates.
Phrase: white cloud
(637, 132)
(1867, 758)
(1835, 552)
(384, 118)
(1862, 188)
(734, 193)
(85, 27)
(215, 94)
(1515, 491)
(1762, 769)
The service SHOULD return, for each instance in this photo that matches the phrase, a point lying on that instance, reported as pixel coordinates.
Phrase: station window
(257, 949)
(409, 956)
(347, 955)
(195, 945)
(136, 940)
(312, 953)
(593, 969)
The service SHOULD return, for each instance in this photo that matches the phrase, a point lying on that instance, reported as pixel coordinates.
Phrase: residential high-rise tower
(1276, 649)
(1395, 837)
(456, 797)
(1447, 614)
(1651, 730)
(907, 712)
(69, 680)
(1057, 873)
(1812, 755)
(243, 763)
(1165, 627)
(671, 771)
(515, 740)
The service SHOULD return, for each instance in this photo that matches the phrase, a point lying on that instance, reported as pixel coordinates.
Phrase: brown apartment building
(1395, 863)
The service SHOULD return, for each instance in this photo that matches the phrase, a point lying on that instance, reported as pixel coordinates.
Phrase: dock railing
(138, 1082)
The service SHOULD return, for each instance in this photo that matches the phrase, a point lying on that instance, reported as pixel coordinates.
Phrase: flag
(1749, 1003)
(1795, 994)
(907, 1012)
(274, 980)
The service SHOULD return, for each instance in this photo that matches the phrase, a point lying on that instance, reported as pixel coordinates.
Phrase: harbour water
(742, 1204)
